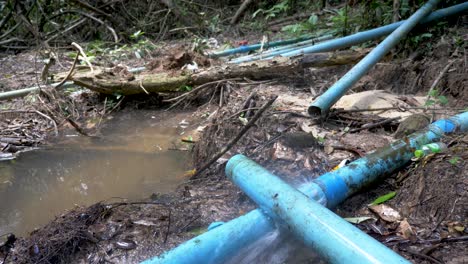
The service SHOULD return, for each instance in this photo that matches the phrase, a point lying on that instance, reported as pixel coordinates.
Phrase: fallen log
(107, 81)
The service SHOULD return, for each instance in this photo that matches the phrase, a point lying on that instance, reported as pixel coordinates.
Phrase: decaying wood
(240, 11)
(108, 82)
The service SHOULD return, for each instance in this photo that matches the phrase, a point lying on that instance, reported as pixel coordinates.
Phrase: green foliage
(199, 45)
(419, 39)
(454, 160)
(321, 140)
(214, 24)
(300, 28)
(137, 34)
(99, 48)
(274, 11)
(186, 88)
(384, 198)
(434, 98)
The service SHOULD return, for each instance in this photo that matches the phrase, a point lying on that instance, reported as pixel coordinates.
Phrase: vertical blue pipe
(375, 33)
(323, 103)
(330, 189)
(334, 239)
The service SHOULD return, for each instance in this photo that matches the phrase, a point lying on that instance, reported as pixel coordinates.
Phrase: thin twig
(296, 114)
(85, 58)
(48, 117)
(234, 140)
(376, 124)
(168, 227)
(420, 255)
(77, 127)
(117, 105)
(103, 113)
(221, 95)
(142, 87)
(33, 112)
(441, 74)
(197, 89)
(62, 82)
(242, 111)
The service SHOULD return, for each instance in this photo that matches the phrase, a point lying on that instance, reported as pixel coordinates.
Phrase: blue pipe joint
(375, 33)
(340, 184)
(219, 244)
(322, 104)
(336, 240)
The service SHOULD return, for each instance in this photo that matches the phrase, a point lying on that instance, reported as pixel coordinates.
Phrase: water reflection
(130, 161)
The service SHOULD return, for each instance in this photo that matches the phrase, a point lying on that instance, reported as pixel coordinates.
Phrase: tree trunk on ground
(106, 82)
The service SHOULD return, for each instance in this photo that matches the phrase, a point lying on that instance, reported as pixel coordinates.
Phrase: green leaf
(137, 34)
(426, 35)
(433, 93)
(185, 88)
(383, 198)
(243, 120)
(442, 100)
(429, 102)
(313, 19)
(454, 160)
(321, 140)
(257, 12)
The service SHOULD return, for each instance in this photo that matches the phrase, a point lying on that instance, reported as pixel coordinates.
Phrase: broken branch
(237, 138)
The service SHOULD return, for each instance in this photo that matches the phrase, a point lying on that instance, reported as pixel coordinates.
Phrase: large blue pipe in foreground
(323, 103)
(334, 239)
(330, 189)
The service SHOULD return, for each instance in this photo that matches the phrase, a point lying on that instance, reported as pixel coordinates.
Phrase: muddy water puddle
(131, 160)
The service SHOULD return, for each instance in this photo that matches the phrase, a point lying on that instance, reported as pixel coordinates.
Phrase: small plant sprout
(454, 160)
(433, 98)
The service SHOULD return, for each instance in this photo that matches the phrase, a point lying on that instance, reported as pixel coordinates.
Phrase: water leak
(130, 160)
(276, 247)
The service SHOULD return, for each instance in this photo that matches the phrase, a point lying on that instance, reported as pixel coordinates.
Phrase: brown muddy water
(131, 160)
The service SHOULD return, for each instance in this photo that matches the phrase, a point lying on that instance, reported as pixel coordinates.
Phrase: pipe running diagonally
(334, 239)
(375, 33)
(363, 36)
(322, 104)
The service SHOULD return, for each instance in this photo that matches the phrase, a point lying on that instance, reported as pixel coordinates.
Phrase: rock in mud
(412, 124)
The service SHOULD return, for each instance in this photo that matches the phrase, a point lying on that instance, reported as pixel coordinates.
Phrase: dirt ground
(432, 193)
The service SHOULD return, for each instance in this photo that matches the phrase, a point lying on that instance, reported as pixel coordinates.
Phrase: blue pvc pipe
(219, 244)
(247, 48)
(323, 103)
(330, 189)
(334, 187)
(283, 49)
(334, 239)
(375, 33)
